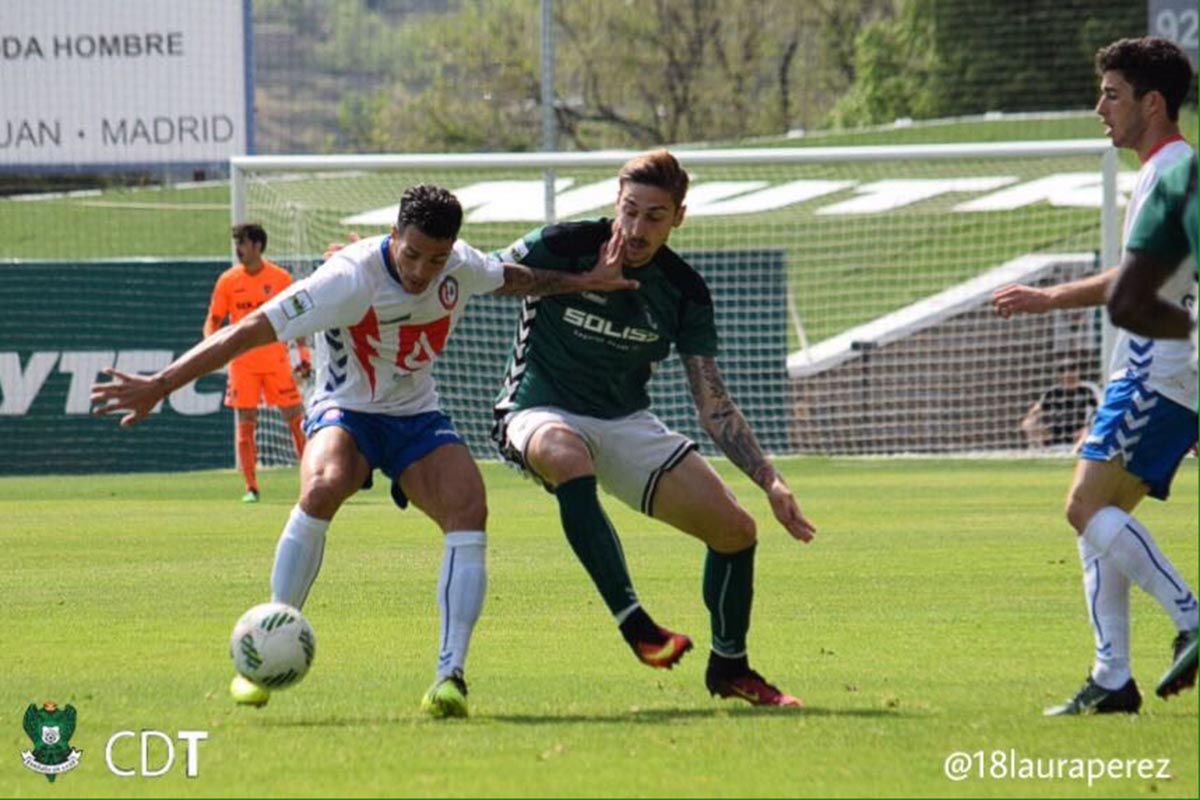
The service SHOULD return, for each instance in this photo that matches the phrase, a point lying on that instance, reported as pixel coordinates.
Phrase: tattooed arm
(522, 281)
(606, 276)
(723, 421)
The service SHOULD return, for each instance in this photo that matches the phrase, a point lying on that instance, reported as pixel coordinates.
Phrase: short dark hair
(656, 168)
(433, 210)
(250, 232)
(1150, 64)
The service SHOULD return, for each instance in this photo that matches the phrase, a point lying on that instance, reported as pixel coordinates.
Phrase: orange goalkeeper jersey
(238, 293)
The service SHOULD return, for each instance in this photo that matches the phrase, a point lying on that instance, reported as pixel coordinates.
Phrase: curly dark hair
(1150, 64)
(433, 210)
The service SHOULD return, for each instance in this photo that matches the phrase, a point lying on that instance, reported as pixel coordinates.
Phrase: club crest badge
(448, 293)
(50, 728)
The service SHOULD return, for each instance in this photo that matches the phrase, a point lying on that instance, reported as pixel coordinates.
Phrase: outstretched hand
(137, 395)
(1018, 299)
(787, 511)
(607, 275)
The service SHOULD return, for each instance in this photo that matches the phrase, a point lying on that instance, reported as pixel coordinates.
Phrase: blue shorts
(390, 444)
(1148, 432)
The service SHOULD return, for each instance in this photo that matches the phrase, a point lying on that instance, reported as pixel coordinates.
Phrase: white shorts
(630, 453)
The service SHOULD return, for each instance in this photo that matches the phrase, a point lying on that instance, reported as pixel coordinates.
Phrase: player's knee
(745, 530)
(737, 533)
(559, 455)
(469, 514)
(1079, 511)
(324, 492)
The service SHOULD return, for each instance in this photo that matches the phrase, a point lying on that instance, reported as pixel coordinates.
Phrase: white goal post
(851, 283)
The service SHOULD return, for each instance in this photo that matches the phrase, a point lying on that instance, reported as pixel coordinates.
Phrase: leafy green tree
(470, 82)
(627, 74)
(941, 58)
(893, 65)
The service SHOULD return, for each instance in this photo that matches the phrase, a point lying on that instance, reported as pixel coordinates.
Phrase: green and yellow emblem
(50, 728)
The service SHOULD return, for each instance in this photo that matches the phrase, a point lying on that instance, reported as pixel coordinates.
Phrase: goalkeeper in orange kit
(264, 373)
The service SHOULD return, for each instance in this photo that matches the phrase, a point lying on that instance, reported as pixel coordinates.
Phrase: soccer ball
(272, 645)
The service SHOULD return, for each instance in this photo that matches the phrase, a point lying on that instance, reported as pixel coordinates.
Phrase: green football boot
(251, 496)
(247, 693)
(446, 698)
(1182, 674)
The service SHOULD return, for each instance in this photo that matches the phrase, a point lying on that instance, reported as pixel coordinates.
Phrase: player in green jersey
(573, 412)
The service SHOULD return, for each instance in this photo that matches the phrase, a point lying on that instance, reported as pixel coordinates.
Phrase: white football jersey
(1165, 365)
(377, 342)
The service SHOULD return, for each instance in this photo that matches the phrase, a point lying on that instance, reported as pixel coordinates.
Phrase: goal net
(852, 284)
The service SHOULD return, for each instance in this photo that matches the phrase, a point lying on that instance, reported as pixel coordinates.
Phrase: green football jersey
(592, 353)
(1167, 223)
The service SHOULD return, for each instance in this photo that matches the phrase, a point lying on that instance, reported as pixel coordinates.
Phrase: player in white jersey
(1148, 420)
(385, 308)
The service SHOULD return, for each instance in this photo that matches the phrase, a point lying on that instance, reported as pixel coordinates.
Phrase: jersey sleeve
(697, 330)
(1159, 229)
(285, 279)
(566, 246)
(528, 250)
(478, 273)
(335, 295)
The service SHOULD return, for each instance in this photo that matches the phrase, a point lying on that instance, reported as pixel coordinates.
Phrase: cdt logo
(143, 768)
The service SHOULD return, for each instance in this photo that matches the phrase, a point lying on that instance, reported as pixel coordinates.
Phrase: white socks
(460, 591)
(1106, 592)
(1119, 537)
(298, 558)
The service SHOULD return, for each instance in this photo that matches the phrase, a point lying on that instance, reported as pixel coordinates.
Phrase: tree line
(465, 75)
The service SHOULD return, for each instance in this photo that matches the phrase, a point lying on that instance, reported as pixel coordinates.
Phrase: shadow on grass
(334, 722)
(656, 715)
(641, 716)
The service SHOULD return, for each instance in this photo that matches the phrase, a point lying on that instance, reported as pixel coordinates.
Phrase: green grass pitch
(939, 610)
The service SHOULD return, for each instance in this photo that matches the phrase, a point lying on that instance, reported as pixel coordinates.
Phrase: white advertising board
(111, 83)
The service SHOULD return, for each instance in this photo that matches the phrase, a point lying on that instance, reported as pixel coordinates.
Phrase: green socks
(595, 543)
(728, 577)
(728, 594)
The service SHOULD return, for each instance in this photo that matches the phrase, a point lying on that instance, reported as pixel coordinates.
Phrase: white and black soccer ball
(273, 645)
